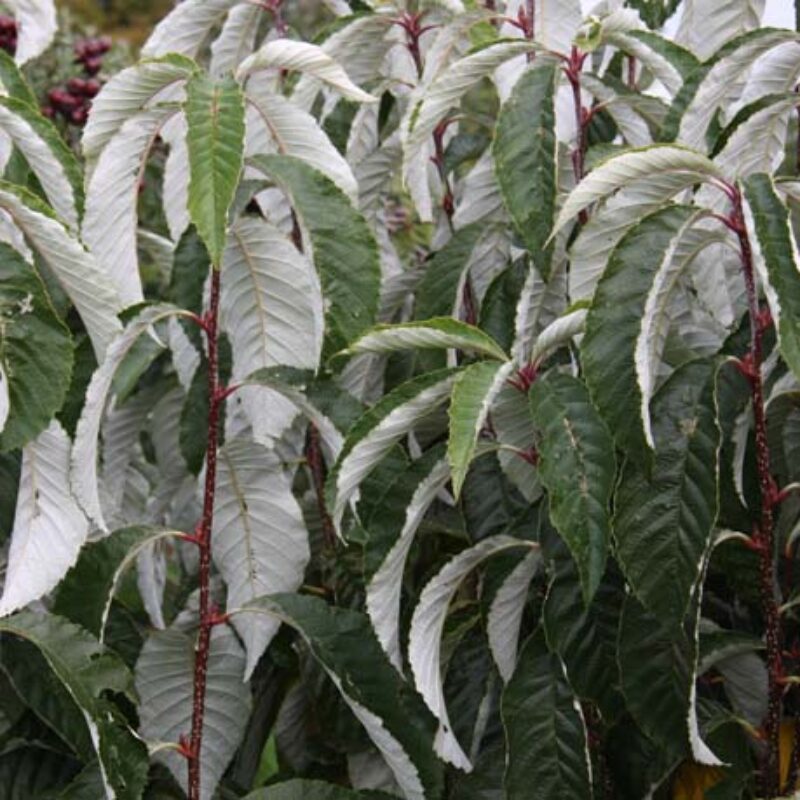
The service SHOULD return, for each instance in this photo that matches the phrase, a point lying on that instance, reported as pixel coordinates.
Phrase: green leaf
(14, 81)
(776, 261)
(525, 154)
(28, 771)
(343, 248)
(545, 730)
(375, 433)
(85, 594)
(437, 333)
(35, 353)
(614, 322)
(584, 637)
(656, 664)
(392, 713)
(87, 669)
(215, 140)
(664, 516)
(578, 468)
(474, 391)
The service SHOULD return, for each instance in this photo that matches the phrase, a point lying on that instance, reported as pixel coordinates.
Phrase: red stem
(582, 118)
(763, 534)
(315, 464)
(208, 615)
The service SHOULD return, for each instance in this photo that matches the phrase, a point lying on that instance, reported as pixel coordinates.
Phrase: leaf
(35, 353)
(557, 23)
(434, 334)
(37, 26)
(704, 29)
(391, 712)
(112, 201)
(215, 139)
(664, 517)
(343, 247)
(259, 541)
(86, 670)
(425, 637)
(445, 92)
(14, 81)
(312, 790)
(84, 451)
(656, 672)
(164, 683)
(271, 301)
(275, 123)
(504, 621)
(545, 729)
(558, 333)
(49, 527)
(618, 307)
(526, 166)
(78, 273)
(732, 63)
(303, 57)
(684, 167)
(578, 468)
(776, 261)
(658, 312)
(585, 637)
(187, 27)
(422, 481)
(85, 594)
(474, 391)
(129, 92)
(45, 151)
(393, 416)
(236, 40)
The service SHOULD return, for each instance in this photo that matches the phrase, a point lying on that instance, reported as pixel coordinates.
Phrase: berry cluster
(90, 52)
(8, 35)
(73, 101)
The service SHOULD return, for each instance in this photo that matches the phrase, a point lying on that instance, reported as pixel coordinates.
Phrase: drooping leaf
(729, 66)
(236, 40)
(85, 594)
(303, 57)
(271, 302)
(415, 491)
(164, 683)
(129, 92)
(526, 166)
(545, 729)
(275, 123)
(343, 248)
(37, 26)
(35, 353)
(79, 274)
(663, 520)
(86, 669)
(425, 638)
(436, 333)
(110, 226)
(704, 29)
(215, 139)
(84, 451)
(578, 469)
(259, 540)
(377, 431)
(312, 790)
(776, 261)
(446, 92)
(504, 621)
(391, 712)
(614, 322)
(186, 28)
(49, 158)
(474, 391)
(682, 166)
(49, 527)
